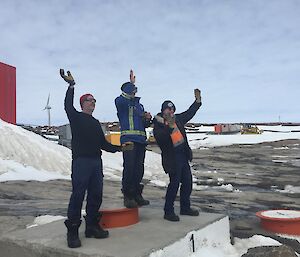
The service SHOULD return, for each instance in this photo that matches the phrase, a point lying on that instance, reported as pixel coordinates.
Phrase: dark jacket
(162, 135)
(87, 135)
(132, 119)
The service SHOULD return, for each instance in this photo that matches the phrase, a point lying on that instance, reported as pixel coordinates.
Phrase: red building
(7, 93)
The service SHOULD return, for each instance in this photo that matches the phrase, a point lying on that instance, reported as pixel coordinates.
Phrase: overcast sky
(243, 55)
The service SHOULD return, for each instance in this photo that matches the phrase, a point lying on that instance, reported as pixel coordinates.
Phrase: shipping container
(8, 93)
(227, 128)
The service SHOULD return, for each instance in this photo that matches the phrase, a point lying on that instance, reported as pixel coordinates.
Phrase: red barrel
(114, 218)
(285, 225)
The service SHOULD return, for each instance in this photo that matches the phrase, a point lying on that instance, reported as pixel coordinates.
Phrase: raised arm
(186, 116)
(69, 98)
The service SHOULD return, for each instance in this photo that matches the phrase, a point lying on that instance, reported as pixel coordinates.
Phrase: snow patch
(44, 219)
(197, 141)
(242, 245)
(290, 189)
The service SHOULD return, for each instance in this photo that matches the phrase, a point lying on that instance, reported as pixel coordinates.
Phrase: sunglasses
(91, 100)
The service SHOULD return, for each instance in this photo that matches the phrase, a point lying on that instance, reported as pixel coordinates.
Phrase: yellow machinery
(249, 129)
(114, 138)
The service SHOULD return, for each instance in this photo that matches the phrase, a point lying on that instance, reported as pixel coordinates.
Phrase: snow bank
(25, 155)
(113, 167)
(21, 149)
(12, 170)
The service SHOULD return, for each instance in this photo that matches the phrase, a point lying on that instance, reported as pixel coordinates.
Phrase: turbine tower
(48, 108)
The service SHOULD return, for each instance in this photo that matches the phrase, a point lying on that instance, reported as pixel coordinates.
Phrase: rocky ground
(256, 173)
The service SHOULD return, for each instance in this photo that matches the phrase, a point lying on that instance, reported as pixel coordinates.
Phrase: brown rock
(270, 251)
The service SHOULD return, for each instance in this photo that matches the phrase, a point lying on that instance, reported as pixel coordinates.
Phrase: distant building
(65, 134)
(8, 93)
(227, 128)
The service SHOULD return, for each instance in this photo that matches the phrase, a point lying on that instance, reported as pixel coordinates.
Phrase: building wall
(7, 93)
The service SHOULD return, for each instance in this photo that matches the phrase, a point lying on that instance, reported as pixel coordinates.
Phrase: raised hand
(197, 93)
(148, 116)
(132, 77)
(68, 78)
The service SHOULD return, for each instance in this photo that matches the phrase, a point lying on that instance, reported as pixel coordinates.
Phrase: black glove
(197, 93)
(69, 79)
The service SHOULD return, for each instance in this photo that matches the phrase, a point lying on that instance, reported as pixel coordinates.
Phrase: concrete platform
(145, 238)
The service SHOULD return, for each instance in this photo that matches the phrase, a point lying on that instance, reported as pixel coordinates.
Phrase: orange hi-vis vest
(176, 136)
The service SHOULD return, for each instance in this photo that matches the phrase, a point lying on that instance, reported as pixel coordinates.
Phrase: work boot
(190, 212)
(94, 229)
(141, 201)
(171, 217)
(129, 202)
(72, 234)
(139, 198)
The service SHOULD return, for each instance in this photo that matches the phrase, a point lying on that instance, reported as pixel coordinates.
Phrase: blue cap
(128, 88)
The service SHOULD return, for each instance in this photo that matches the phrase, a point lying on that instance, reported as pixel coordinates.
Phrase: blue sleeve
(122, 102)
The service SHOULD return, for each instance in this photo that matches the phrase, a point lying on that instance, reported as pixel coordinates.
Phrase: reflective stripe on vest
(177, 137)
(133, 132)
(130, 117)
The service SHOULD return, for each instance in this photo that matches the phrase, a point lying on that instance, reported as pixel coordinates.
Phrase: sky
(244, 56)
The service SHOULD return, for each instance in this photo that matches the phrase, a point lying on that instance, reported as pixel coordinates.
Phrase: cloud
(240, 53)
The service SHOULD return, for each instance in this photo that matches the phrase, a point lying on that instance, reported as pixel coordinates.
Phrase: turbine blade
(48, 99)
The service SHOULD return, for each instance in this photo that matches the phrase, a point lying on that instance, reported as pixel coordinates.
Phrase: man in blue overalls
(133, 120)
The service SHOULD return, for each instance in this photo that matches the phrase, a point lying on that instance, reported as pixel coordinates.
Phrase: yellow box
(114, 138)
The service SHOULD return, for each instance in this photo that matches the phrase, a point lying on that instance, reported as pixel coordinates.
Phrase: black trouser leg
(128, 179)
(80, 181)
(186, 187)
(94, 193)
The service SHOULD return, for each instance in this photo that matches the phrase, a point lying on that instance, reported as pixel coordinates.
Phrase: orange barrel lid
(280, 221)
(114, 218)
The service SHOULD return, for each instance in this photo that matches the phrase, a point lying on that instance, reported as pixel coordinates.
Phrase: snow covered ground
(25, 155)
(209, 140)
(28, 156)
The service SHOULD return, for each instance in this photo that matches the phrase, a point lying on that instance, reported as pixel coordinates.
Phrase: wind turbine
(48, 108)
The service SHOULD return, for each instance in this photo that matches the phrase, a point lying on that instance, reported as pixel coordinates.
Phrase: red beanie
(83, 98)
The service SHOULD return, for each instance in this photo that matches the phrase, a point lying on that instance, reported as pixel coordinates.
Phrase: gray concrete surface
(150, 234)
